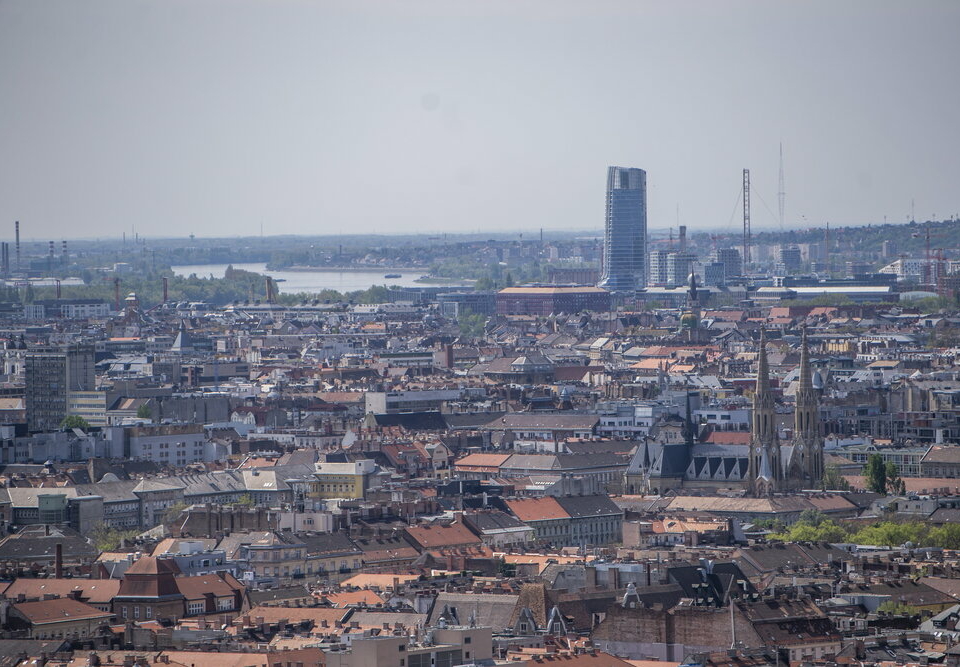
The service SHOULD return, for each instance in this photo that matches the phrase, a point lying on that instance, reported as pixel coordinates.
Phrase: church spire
(806, 377)
(764, 464)
(763, 369)
(807, 442)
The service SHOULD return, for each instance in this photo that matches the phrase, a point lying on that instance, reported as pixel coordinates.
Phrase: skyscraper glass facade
(625, 232)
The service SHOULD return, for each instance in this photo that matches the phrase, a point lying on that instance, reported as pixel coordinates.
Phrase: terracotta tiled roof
(94, 591)
(434, 536)
(729, 438)
(58, 611)
(537, 509)
(345, 598)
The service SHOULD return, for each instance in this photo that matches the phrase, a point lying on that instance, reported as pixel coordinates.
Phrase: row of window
(147, 613)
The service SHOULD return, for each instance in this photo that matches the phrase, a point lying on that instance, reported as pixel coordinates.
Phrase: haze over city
(215, 118)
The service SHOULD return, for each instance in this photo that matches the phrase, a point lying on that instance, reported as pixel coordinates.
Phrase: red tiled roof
(729, 438)
(58, 610)
(537, 509)
(434, 536)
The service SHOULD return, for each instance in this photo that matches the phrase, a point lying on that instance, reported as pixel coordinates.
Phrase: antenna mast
(782, 195)
(746, 218)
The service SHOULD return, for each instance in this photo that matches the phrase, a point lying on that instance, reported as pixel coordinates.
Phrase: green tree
(825, 530)
(833, 480)
(246, 500)
(811, 517)
(876, 473)
(105, 538)
(895, 485)
(891, 534)
(946, 536)
(173, 512)
(471, 324)
(144, 412)
(74, 421)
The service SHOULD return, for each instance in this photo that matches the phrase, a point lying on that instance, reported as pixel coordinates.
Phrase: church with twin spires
(775, 467)
(670, 459)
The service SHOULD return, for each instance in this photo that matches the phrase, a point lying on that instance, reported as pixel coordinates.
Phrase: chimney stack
(16, 227)
(58, 563)
(683, 238)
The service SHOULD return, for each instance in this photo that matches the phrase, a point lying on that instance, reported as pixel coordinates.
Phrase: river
(313, 281)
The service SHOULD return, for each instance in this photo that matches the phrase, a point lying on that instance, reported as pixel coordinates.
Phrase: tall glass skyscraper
(625, 233)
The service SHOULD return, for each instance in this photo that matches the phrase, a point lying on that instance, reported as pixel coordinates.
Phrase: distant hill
(910, 238)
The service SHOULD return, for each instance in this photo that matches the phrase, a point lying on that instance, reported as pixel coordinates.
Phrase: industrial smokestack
(683, 238)
(65, 257)
(50, 257)
(58, 563)
(17, 240)
(166, 288)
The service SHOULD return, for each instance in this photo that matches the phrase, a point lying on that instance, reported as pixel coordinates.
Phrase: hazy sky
(203, 116)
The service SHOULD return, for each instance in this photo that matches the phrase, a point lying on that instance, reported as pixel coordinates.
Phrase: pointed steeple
(806, 377)
(688, 428)
(763, 369)
(764, 469)
(808, 445)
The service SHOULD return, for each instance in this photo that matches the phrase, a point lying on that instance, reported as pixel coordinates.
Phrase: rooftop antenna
(746, 218)
(781, 195)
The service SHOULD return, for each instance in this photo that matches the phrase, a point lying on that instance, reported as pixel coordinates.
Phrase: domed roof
(689, 321)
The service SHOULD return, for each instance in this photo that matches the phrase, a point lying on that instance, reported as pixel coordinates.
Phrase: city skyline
(185, 117)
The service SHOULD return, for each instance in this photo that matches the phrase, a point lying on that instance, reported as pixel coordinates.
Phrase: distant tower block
(16, 227)
(625, 230)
